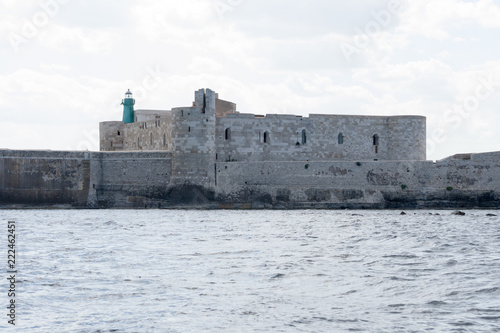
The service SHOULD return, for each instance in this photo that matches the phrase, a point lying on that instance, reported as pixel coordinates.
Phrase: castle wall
(470, 182)
(83, 179)
(147, 180)
(150, 135)
(193, 138)
(111, 136)
(131, 179)
(240, 137)
(44, 178)
(407, 139)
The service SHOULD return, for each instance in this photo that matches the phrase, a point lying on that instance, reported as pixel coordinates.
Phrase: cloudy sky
(67, 63)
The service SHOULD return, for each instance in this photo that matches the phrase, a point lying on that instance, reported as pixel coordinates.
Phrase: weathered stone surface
(143, 180)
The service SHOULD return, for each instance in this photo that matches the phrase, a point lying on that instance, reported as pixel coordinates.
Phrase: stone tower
(128, 108)
(193, 141)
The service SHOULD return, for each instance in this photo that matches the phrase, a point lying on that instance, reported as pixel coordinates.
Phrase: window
(375, 140)
(267, 139)
(341, 139)
(189, 129)
(228, 134)
(118, 133)
(151, 138)
(304, 137)
(164, 139)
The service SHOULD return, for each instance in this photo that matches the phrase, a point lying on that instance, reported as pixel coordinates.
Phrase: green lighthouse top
(128, 108)
(128, 94)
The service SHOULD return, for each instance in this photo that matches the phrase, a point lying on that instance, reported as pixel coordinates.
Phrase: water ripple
(265, 271)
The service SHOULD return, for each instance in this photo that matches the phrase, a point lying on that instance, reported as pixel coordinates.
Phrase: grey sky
(67, 63)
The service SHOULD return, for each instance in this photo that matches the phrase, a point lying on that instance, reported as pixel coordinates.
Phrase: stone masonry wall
(144, 180)
(150, 135)
(382, 184)
(84, 179)
(126, 179)
(193, 138)
(44, 178)
(241, 137)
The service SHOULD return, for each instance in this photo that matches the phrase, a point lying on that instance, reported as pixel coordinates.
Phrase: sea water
(253, 271)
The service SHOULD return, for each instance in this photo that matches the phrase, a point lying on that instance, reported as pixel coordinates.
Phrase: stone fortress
(248, 137)
(208, 155)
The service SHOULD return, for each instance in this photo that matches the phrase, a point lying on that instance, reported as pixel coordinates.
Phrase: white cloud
(436, 19)
(268, 57)
(63, 39)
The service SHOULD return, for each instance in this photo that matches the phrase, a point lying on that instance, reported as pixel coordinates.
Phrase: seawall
(467, 181)
(143, 180)
(83, 179)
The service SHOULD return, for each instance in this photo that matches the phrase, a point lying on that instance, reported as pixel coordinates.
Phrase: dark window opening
(341, 139)
(267, 139)
(189, 129)
(228, 134)
(118, 133)
(304, 137)
(375, 140)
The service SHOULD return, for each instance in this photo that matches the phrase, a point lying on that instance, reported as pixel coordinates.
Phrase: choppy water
(256, 271)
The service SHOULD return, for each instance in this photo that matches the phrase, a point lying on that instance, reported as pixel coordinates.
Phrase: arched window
(304, 137)
(267, 139)
(375, 140)
(228, 134)
(341, 139)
